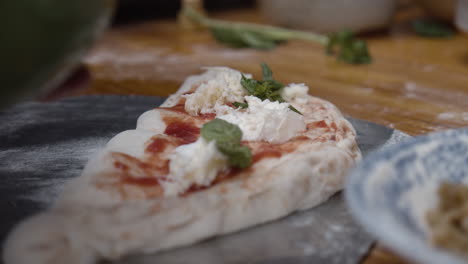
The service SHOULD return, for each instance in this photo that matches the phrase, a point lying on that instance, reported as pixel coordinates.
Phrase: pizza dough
(153, 188)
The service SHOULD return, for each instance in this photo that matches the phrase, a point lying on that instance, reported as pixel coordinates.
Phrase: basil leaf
(221, 131)
(294, 109)
(268, 88)
(241, 105)
(273, 84)
(238, 156)
(228, 37)
(258, 41)
(266, 71)
(243, 38)
(228, 137)
(430, 28)
(350, 49)
(249, 84)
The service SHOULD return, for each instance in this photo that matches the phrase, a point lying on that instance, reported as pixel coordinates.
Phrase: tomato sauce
(321, 123)
(119, 165)
(268, 153)
(157, 145)
(147, 181)
(183, 130)
(208, 116)
(154, 172)
(180, 108)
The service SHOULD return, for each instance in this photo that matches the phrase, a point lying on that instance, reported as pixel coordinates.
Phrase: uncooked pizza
(224, 153)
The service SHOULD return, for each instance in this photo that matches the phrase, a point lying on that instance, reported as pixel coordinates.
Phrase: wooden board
(415, 84)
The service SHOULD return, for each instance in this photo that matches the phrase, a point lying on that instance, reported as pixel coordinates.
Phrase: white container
(329, 15)
(461, 15)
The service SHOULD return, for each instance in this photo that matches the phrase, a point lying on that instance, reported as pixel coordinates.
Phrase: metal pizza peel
(42, 145)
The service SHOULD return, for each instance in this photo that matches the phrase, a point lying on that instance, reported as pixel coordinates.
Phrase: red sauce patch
(321, 123)
(147, 181)
(207, 116)
(119, 165)
(157, 145)
(129, 165)
(183, 130)
(320, 139)
(268, 153)
(179, 108)
(301, 138)
(231, 105)
(195, 188)
(333, 125)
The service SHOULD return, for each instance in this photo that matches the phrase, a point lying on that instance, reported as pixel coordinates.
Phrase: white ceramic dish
(390, 192)
(330, 16)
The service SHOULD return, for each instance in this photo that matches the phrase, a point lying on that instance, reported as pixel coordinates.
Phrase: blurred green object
(42, 41)
(432, 29)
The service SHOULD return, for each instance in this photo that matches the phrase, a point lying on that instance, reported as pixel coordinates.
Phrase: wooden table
(415, 84)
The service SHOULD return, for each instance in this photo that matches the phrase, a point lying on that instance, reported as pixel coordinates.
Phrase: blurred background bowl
(43, 41)
(330, 15)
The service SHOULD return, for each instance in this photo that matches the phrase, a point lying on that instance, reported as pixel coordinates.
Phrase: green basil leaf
(273, 84)
(434, 29)
(228, 37)
(243, 38)
(257, 41)
(294, 109)
(241, 105)
(249, 84)
(238, 156)
(350, 49)
(221, 131)
(228, 137)
(267, 73)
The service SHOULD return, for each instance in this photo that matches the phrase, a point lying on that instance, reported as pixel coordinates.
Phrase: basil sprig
(268, 88)
(250, 35)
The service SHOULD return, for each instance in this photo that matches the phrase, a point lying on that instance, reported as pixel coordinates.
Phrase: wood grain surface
(414, 84)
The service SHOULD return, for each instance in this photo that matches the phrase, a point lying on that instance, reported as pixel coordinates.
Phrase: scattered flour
(453, 116)
(66, 159)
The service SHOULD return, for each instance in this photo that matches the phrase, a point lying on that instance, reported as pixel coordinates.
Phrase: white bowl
(329, 15)
(390, 192)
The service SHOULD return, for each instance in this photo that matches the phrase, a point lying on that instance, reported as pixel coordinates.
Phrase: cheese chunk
(152, 121)
(265, 120)
(197, 163)
(295, 91)
(217, 86)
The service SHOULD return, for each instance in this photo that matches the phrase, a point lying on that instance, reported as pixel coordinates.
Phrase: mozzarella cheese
(217, 86)
(295, 91)
(131, 142)
(265, 120)
(197, 163)
(151, 121)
